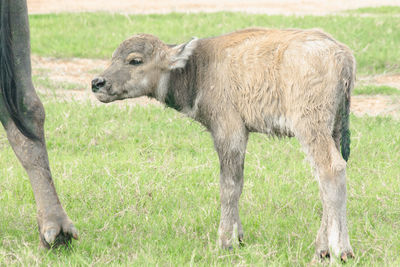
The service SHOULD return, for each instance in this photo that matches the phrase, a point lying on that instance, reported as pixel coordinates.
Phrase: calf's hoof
(229, 243)
(344, 256)
(56, 230)
(325, 254)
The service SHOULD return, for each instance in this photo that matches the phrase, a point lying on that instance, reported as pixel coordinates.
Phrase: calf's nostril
(97, 83)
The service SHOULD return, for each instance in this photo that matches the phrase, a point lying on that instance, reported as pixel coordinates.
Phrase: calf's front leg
(230, 144)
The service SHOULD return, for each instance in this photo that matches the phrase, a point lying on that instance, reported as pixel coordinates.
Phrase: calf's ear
(180, 54)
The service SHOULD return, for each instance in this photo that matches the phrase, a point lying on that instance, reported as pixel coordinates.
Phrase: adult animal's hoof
(56, 231)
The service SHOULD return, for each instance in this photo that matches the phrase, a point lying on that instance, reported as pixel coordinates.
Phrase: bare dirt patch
(378, 105)
(75, 71)
(78, 73)
(392, 80)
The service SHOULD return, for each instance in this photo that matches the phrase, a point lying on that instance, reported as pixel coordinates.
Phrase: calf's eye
(136, 61)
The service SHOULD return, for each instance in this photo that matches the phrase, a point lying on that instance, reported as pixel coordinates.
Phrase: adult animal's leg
(54, 225)
(55, 228)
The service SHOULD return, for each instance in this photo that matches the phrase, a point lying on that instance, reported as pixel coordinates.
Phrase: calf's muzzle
(98, 83)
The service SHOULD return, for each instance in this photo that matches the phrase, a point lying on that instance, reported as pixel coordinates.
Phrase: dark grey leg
(54, 225)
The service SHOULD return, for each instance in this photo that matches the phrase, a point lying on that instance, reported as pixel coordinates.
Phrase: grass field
(140, 195)
(141, 183)
(375, 40)
(382, 10)
(375, 90)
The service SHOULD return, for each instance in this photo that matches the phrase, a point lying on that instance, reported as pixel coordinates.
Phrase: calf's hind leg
(330, 169)
(230, 140)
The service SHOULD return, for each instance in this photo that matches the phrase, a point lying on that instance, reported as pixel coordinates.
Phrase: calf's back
(271, 78)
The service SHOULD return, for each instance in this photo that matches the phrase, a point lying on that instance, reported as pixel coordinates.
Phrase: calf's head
(141, 66)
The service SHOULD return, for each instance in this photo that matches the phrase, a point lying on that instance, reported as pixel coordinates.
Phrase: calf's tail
(348, 75)
(345, 132)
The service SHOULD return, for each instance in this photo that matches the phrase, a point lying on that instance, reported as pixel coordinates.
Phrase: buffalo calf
(278, 82)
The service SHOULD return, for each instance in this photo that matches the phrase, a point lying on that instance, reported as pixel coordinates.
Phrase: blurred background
(288, 7)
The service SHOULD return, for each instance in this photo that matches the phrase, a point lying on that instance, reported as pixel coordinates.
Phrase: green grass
(139, 195)
(375, 90)
(375, 40)
(382, 10)
(44, 81)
